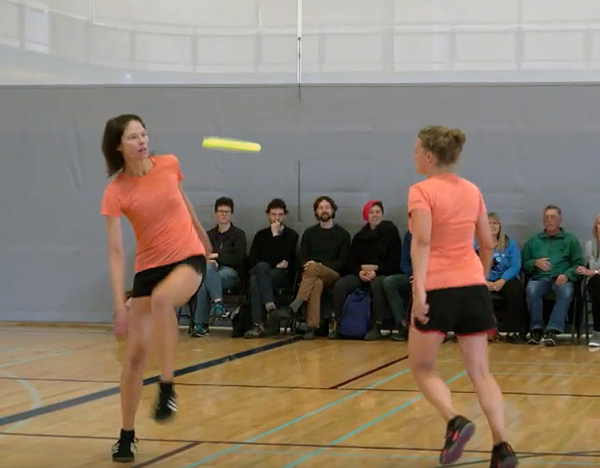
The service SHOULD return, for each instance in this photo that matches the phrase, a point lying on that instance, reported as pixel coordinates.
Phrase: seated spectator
(323, 256)
(551, 259)
(224, 266)
(374, 254)
(504, 280)
(272, 259)
(397, 289)
(591, 271)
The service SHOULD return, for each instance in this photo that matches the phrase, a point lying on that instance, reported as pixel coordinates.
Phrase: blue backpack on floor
(356, 314)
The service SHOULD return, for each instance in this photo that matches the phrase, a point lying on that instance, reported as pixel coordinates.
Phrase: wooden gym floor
(282, 403)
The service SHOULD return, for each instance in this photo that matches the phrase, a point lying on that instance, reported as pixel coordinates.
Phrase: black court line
(150, 380)
(372, 371)
(304, 387)
(521, 453)
(170, 454)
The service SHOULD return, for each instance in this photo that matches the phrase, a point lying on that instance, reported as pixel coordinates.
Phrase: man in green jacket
(550, 259)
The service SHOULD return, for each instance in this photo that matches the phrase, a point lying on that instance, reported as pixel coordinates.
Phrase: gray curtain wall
(527, 146)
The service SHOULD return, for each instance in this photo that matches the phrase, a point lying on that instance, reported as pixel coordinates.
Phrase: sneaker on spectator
(256, 331)
(198, 331)
(594, 340)
(218, 309)
(536, 336)
(549, 338)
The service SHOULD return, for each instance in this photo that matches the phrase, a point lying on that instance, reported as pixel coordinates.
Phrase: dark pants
(397, 291)
(594, 290)
(264, 282)
(510, 306)
(347, 284)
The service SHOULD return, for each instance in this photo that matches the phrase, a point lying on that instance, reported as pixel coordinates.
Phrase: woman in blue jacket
(504, 280)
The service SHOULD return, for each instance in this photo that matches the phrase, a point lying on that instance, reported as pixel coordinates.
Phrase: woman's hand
(120, 320)
(585, 271)
(364, 276)
(420, 308)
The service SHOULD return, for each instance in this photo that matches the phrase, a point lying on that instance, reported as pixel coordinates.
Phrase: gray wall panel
(526, 146)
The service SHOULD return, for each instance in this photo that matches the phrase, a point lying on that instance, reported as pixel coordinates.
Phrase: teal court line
(366, 425)
(262, 435)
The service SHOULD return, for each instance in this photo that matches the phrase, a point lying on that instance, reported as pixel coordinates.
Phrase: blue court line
(150, 380)
(262, 435)
(367, 425)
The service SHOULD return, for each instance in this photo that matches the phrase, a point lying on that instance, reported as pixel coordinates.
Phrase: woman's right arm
(116, 261)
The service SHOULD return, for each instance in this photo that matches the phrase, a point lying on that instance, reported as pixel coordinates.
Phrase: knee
(211, 269)
(312, 269)
(532, 290)
(262, 267)
(388, 283)
(137, 357)
(340, 286)
(422, 366)
(159, 302)
(566, 290)
(378, 282)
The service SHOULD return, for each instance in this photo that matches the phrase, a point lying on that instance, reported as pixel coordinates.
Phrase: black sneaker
(549, 338)
(166, 405)
(516, 338)
(459, 431)
(121, 451)
(374, 333)
(402, 334)
(535, 337)
(503, 456)
(309, 334)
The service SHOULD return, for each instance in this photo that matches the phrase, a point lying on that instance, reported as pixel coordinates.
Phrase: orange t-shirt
(155, 207)
(455, 205)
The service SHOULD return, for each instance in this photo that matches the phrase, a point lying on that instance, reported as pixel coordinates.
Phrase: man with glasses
(225, 266)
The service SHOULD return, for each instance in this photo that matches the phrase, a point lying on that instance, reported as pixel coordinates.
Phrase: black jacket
(380, 246)
(231, 247)
(272, 250)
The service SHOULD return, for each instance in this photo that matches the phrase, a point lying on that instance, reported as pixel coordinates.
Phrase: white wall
(254, 41)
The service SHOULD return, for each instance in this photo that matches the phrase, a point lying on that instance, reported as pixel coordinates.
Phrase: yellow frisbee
(230, 144)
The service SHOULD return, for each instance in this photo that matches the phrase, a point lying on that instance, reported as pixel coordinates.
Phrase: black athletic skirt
(466, 310)
(145, 281)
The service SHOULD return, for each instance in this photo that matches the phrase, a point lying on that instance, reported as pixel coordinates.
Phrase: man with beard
(323, 254)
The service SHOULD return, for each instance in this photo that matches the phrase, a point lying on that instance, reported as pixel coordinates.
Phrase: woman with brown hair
(170, 262)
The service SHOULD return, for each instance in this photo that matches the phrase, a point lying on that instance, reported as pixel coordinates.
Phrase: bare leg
(422, 353)
(174, 291)
(138, 349)
(474, 350)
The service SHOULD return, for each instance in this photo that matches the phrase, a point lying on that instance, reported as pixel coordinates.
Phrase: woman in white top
(592, 271)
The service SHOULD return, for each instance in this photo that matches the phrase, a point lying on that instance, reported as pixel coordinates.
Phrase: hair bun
(459, 136)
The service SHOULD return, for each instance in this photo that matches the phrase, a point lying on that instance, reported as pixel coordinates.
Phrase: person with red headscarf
(374, 254)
